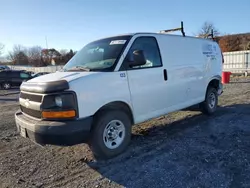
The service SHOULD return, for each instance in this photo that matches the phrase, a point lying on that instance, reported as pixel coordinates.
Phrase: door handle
(165, 74)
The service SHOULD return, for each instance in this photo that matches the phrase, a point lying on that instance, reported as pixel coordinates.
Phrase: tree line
(38, 57)
(227, 42)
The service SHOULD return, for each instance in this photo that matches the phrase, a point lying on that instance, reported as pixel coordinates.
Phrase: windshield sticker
(117, 42)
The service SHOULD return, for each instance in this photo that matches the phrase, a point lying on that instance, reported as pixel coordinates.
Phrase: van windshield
(101, 55)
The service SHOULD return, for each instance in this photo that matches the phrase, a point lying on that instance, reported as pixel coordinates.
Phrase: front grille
(31, 112)
(31, 97)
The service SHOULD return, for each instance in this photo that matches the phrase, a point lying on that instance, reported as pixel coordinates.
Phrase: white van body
(188, 66)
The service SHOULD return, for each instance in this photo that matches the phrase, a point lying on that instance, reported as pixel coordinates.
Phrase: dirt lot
(182, 149)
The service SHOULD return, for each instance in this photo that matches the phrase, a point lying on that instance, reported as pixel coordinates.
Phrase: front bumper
(64, 133)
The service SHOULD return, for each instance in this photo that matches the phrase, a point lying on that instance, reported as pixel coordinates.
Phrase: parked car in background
(30, 72)
(4, 67)
(39, 74)
(10, 78)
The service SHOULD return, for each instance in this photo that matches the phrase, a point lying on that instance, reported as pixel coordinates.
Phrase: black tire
(6, 85)
(97, 143)
(206, 106)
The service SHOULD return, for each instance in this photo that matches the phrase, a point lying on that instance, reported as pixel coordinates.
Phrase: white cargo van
(116, 82)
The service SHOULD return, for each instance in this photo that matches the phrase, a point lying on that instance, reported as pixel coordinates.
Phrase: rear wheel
(6, 85)
(209, 106)
(111, 134)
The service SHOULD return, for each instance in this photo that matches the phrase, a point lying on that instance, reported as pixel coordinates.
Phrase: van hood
(54, 82)
(68, 76)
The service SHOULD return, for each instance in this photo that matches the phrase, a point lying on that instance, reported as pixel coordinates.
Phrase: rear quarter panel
(213, 60)
(182, 57)
(191, 63)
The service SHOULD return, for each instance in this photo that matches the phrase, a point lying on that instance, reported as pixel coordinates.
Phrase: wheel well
(214, 83)
(117, 105)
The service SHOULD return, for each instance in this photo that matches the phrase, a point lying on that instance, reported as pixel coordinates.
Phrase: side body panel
(191, 63)
(149, 94)
(148, 88)
(190, 66)
(96, 90)
(184, 63)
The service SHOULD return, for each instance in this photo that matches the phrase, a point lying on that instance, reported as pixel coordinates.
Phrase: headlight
(59, 105)
(58, 101)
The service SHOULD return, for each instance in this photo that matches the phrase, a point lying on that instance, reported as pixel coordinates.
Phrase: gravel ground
(182, 149)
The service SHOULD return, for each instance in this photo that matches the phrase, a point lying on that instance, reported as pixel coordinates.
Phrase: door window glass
(24, 75)
(150, 49)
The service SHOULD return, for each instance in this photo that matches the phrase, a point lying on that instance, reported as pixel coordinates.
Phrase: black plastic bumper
(64, 133)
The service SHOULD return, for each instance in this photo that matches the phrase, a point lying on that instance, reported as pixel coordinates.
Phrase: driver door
(147, 83)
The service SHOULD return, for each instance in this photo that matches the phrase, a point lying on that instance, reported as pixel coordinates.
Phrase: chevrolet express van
(116, 82)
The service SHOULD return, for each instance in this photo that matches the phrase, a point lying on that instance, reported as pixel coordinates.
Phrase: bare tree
(247, 47)
(49, 55)
(230, 43)
(63, 52)
(18, 55)
(16, 50)
(1, 48)
(66, 56)
(207, 29)
(245, 43)
(34, 55)
(19, 48)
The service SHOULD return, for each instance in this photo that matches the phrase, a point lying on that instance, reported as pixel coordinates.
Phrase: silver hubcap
(212, 100)
(114, 134)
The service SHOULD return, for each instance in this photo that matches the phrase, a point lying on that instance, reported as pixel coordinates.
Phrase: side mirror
(138, 58)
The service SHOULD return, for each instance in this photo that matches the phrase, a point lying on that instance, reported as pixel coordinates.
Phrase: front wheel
(209, 106)
(111, 134)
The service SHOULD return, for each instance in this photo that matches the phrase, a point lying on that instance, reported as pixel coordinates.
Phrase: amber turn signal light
(59, 114)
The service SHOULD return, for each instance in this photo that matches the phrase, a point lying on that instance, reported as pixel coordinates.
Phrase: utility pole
(46, 42)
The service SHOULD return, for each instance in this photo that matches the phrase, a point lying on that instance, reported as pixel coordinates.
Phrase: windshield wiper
(78, 68)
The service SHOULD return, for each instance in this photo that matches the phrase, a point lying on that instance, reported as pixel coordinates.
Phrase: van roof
(152, 33)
